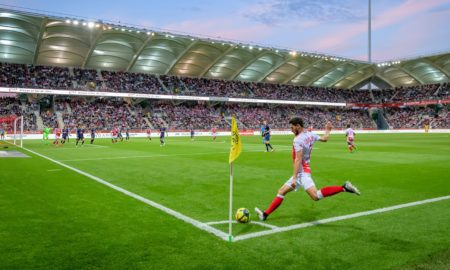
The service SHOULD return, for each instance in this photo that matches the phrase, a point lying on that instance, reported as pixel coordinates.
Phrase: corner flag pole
(230, 222)
(235, 151)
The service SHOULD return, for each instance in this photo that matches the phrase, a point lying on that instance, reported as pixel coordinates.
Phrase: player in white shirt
(301, 154)
(350, 134)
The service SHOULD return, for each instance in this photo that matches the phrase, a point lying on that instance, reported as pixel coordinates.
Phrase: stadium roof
(38, 39)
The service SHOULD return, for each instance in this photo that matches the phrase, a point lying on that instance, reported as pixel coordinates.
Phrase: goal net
(11, 130)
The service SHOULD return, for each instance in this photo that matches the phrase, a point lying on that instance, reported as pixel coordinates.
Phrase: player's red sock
(274, 205)
(331, 190)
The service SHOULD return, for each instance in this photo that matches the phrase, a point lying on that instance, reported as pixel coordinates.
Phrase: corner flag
(236, 144)
(235, 151)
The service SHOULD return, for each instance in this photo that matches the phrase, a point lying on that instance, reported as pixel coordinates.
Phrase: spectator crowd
(105, 113)
(29, 76)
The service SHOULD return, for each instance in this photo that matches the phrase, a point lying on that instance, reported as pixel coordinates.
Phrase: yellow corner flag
(236, 144)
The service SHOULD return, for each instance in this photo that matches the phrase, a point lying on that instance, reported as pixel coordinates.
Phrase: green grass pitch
(54, 218)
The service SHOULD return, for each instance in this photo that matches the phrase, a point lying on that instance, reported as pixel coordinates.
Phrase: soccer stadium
(131, 147)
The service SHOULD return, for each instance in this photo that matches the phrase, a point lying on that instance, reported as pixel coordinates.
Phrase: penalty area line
(338, 218)
(196, 223)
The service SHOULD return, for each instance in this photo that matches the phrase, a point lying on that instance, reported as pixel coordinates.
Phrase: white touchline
(167, 210)
(333, 219)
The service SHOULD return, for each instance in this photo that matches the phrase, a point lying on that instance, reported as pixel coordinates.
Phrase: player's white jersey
(350, 133)
(304, 142)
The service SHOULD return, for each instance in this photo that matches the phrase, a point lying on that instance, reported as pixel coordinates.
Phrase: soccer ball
(242, 215)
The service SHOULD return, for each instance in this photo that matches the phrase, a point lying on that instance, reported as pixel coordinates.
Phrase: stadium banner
(34, 136)
(157, 96)
(4, 119)
(246, 132)
(5, 95)
(400, 104)
(287, 102)
(101, 135)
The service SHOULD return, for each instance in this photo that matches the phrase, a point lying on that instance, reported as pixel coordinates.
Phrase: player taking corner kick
(301, 178)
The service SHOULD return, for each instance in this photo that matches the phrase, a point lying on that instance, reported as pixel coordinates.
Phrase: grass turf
(54, 218)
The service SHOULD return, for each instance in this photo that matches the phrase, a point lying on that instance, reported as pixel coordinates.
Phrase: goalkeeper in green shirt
(45, 135)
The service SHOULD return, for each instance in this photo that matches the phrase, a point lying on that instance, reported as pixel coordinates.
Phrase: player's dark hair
(348, 126)
(296, 121)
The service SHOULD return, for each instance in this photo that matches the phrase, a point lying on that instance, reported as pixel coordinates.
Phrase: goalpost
(11, 130)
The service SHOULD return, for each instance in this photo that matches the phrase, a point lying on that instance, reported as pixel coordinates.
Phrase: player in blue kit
(2, 134)
(127, 134)
(68, 135)
(119, 135)
(92, 135)
(262, 132)
(192, 134)
(266, 136)
(65, 134)
(162, 135)
(80, 135)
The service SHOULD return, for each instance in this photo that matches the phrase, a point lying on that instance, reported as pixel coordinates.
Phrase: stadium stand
(414, 117)
(413, 93)
(15, 75)
(107, 113)
(104, 114)
(12, 106)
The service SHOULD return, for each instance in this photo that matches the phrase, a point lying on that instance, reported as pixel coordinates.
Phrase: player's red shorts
(349, 139)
